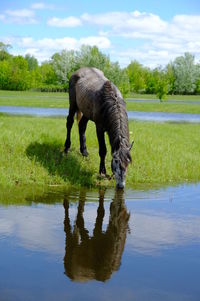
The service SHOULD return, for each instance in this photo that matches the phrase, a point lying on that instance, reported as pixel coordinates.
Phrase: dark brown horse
(95, 98)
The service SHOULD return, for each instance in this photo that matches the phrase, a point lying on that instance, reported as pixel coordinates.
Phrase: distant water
(145, 116)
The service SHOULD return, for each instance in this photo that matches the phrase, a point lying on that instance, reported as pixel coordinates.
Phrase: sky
(153, 32)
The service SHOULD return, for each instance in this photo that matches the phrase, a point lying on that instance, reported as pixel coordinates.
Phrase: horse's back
(88, 83)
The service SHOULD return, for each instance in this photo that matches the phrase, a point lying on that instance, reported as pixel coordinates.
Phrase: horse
(93, 97)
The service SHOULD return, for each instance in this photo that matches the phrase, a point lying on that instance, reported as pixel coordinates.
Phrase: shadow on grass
(68, 167)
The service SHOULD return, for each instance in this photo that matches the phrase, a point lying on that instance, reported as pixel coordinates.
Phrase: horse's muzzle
(120, 185)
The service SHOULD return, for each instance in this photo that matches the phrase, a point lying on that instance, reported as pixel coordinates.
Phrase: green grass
(31, 154)
(163, 107)
(168, 97)
(61, 100)
(34, 99)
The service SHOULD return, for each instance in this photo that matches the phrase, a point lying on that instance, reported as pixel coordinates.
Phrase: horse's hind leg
(102, 150)
(82, 127)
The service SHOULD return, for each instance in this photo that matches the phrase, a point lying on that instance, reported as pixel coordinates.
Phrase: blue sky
(150, 31)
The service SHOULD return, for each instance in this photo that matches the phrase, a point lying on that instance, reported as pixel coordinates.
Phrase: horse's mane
(116, 122)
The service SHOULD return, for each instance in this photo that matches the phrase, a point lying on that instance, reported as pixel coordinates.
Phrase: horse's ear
(131, 145)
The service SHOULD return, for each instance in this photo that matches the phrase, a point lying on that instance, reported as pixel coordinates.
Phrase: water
(145, 116)
(101, 245)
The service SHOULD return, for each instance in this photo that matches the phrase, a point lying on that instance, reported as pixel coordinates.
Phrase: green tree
(137, 74)
(20, 78)
(4, 55)
(170, 76)
(197, 84)
(47, 73)
(91, 57)
(185, 73)
(151, 80)
(5, 74)
(162, 85)
(32, 62)
(64, 64)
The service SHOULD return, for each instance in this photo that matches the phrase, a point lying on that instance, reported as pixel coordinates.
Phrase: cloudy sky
(150, 31)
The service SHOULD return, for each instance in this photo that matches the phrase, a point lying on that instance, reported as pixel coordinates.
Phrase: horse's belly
(87, 103)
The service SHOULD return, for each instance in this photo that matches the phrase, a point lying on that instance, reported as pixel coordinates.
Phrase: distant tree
(151, 81)
(4, 54)
(170, 76)
(185, 73)
(14, 74)
(197, 89)
(5, 74)
(124, 84)
(118, 76)
(64, 64)
(48, 74)
(137, 74)
(20, 78)
(162, 85)
(32, 62)
(89, 56)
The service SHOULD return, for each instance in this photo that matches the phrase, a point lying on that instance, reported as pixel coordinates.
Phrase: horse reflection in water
(97, 256)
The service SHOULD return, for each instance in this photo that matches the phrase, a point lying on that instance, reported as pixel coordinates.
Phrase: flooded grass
(31, 153)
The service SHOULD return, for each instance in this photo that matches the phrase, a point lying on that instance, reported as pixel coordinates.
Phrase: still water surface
(102, 245)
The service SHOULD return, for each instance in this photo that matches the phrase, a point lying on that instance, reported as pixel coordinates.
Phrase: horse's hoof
(85, 154)
(109, 177)
(102, 175)
(66, 151)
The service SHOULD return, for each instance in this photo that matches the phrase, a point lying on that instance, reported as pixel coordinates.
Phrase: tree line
(181, 76)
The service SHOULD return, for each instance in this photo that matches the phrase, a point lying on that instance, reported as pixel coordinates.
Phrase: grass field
(168, 97)
(164, 107)
(31, 154)
(60, 100)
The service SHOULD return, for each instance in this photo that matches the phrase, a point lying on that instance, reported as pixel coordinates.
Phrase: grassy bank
(60, 100)
(164, 107)
(168, 97)
(31, 154)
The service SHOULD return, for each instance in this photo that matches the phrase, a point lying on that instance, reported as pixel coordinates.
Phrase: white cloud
(64, 22)
(20, 16)
(22, 13)
(128, 23)
(43, 49)
(146, 56)
(101, 42)
(159, 40)
(41, 5)
(136, 25)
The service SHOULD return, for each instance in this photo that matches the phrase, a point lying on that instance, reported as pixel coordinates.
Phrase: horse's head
(119, 165)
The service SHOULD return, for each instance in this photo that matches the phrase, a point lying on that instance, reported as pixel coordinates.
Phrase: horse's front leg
(69, 124)
(102, 150)
(82, 127)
